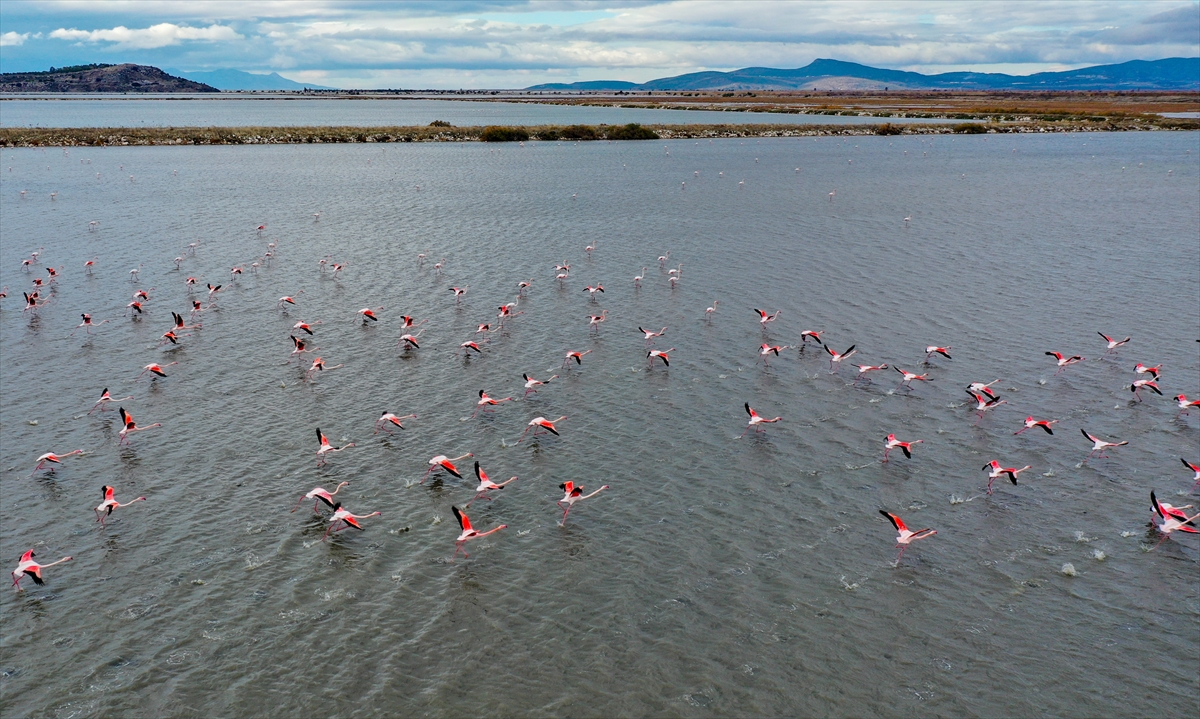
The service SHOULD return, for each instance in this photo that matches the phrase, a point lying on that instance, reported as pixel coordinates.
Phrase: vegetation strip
(442, 132)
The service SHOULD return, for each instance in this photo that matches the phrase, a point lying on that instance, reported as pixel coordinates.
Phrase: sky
(451, 44)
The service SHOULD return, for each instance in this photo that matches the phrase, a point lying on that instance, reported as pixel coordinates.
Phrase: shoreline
(175, 136)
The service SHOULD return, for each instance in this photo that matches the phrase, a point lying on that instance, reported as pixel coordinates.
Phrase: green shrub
(632, 131)
(578, 132)
(440, 123)
(496, 133)
(887, 128)
(970, 128)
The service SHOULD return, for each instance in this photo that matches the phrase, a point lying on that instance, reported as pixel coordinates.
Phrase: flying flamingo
(447, 463)
(574, 355)
(305, 327)
(983, 404)
(905, 536)
(326, 448)
(765, 350)
(179, 324)
(155, 369)
(1171, 521)
(522, 286)
(1030, 423)
(659, 354)
(486, 402)
(347, 519)
(318, 365)
(468, 533)
(53, 459)
(1099, 445)
(650, 335)
(105, 398)
(1194, 468)
(764, 318)
(532, 384)
(32, 568)
(931, 350)
(381, 423)
(135, 306)
(593, 290)
(1185, 404)
(863, 369)
(813, 334)
(367, 313)
(320, 494)
(1143, 369)
(983, 388)
(595, 320)
(891, 443)
(541, 423)
(573, 493)
(1139, 384)
(1113, 344)
(837, 357)
(87, 323)
(467, 346)
(1064, 362)
(130, 426)
(284, 301)
(997, 471)
(299, 346)
(910, 376)
(486, 485)
(756, 421)
(109, 504)
(212, 293)
(459, 292)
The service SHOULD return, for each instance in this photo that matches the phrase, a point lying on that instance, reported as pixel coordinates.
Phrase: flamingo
(756, 420)
(650, 335)
(87, 323)
(130, 426)
(486, 485)
(367, 313)
(891, 443)
(212, 293)
(467, 346)
(863, 369)
(285, 300)
(764, 318)
(997, 470)
(1099, 445)
(1185, 404)
(522, 286)
(837, 357)
(105, 398)
(459, 292)
(813, 334)
(409, 340)
(541, 423)
(983, 404)
(447, 463)
(1113, 344)
(485, 403)
(710, 311)
(468, 532)
(381, 423)
(299, 346)
(1139, 384)
(1143, 369)
(532, 384)
(637, 279)
(155, 369)
(326, 448)
(32, 568)
(1195, 468)
(659, 354)
(1064, 362)
(931, 350)
(574, 355)
(595, 320)
(1030, 423)
(662, 260)
(135, 306)
(340, 514)
(109, 504)
(573, 493)
(910, 376)
(409, 322)
(318, 365)
(765, 350)
(52, 458)
(905, 536)
(983, 388)
(1172, 521)
(593, 290)
(179, 324)
(305, 327)
(320, 494)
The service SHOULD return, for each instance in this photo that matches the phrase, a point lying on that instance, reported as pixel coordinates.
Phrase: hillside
(100, 78)
(232, 80)
(1176, 73)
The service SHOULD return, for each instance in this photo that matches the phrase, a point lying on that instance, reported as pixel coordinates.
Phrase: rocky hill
(100, 78)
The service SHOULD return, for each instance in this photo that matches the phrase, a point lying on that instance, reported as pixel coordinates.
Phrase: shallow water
(208, 111)
(718, 576)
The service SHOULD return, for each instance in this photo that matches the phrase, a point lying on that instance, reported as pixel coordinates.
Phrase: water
(206, 111)
(718, 576)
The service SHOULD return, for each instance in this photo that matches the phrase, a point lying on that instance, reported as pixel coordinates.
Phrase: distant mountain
(99, 78)
(239, 80)
(1175, 73)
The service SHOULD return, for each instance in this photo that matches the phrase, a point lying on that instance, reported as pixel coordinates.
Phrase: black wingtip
(477, 469)
(748, 411)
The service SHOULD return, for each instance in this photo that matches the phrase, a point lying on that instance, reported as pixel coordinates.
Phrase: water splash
(1069, 569)
(1098, 555)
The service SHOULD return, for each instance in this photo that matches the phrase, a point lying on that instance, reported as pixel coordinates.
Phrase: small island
(126, 77)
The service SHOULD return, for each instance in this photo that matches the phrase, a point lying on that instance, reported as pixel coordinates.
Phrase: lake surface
(209, 111)
(718, 576)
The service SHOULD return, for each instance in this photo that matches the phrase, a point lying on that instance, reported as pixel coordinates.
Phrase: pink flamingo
(155, 369)
(340, 514)
(1143, 369)
(1030, 423)
(467, 346)
(835, 358)
(318, 365)
(381, 423)
(1064, 362)
(468, 533)
(1172, 521)
(891, 443)
(1113, 344)
(756, 421)
(573, 355)
(1099, 445)
(31, 568)
(1185, 404)
(320, 494)
(765, 350)
(1139, 384)
(650, 335)
(532, 384)
(863, 369)
(764, 318)
(326, 448)
(909, 377)
(486, 485)
(441, 461)
(88, 324)
(105, 398)
(659, 354)
(931, 350)
(368, 313)
(109, 504)
(983, 388)
(813, 334)
(485, 403)
(1195, 468)
(409, 341)
(130, 426)
(595, 320)
(997, 471)
(541, 423)
(573, 493)
(983, 404)
(52, 458)
(905, 536)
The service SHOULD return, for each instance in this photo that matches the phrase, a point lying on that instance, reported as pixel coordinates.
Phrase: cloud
(160, 35)
(12, 39)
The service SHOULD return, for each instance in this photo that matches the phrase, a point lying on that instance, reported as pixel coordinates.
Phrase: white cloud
(11, 39)
(160, 35)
